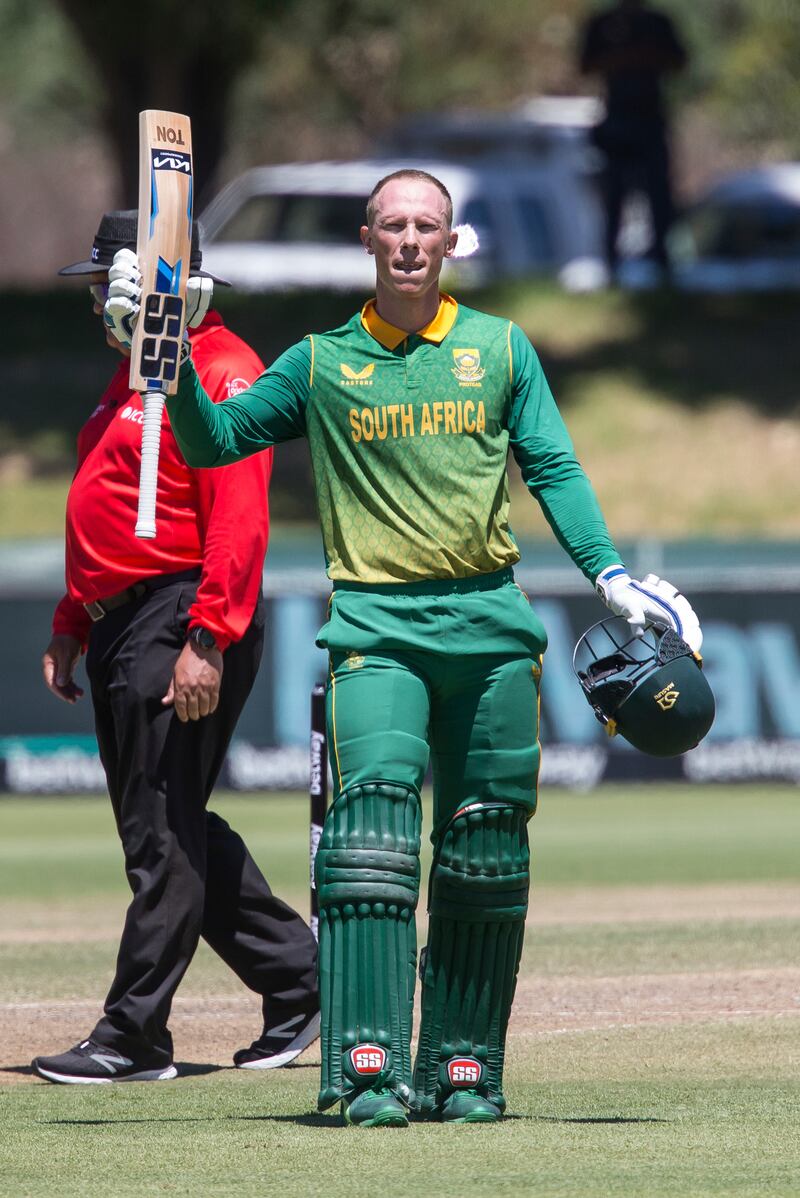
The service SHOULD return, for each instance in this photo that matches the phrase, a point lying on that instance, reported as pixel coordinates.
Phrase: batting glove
(124, 296)
(651, 601)
(199, 294)
(121, 309)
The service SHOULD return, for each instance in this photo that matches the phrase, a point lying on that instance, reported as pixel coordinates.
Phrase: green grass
(652, 834)
(32, 969)
(627, 836)
(587, 1122)
(633, 1137)
(69, 847)
(678, 388)
(32, 507)
(691, 1108)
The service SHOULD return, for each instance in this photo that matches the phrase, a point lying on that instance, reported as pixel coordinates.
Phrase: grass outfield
(654, 1047)
(718, 372)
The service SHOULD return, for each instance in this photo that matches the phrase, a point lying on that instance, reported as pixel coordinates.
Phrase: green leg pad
(478, 901)
(367, 875)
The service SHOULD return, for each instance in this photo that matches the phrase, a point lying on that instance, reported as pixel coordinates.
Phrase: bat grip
(153, 405)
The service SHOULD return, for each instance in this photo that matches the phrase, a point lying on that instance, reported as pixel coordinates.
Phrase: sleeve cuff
(80, 634)
(186, 368)
(609, 572)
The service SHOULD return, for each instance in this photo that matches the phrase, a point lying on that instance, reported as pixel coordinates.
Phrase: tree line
(270, 80)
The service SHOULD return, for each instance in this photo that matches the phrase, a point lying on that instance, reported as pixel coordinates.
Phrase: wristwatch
(200, 636)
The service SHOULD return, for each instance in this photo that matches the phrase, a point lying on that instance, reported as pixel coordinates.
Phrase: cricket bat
(163, 246)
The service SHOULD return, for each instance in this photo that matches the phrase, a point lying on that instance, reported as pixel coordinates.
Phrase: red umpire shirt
(215, 519)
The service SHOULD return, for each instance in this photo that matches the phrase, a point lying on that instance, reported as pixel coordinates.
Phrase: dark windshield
(288, 219)
(767, 230)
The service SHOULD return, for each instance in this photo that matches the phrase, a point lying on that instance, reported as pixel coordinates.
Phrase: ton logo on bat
(166, 133)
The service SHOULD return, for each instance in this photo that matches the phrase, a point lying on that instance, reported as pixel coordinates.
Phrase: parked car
(553, 133)
(743, 234)
(541, 130)
(297, 225)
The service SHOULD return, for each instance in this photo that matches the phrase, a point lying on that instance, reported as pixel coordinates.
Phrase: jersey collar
(390, 337)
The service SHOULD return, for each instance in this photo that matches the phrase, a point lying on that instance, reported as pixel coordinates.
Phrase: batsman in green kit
(435, 653)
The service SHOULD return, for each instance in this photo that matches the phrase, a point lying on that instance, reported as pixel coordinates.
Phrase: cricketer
(435, 652)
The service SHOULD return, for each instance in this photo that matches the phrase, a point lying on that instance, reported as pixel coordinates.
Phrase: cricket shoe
(462, 1094)
(279, 1045)
(374, 1108)
(465, 1106)
(90, 1063)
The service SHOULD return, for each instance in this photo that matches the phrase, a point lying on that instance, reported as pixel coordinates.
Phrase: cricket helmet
(649, 689)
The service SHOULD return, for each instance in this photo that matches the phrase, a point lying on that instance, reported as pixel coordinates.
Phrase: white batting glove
(124, 296)
(121, 309)
(199, 294)
(651, 601)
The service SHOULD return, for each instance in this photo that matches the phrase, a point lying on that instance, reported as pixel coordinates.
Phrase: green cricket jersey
(409, 435)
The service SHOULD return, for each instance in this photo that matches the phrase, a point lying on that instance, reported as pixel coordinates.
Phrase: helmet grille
(671, 646)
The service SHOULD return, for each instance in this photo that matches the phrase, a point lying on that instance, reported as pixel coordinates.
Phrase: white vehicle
(297, 225)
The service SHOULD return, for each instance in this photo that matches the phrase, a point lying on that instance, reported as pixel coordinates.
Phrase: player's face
(98, 289)
(410, 236)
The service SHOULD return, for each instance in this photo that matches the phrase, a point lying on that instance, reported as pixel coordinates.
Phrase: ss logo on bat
(161, 347)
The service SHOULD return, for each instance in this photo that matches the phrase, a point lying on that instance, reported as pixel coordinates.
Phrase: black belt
(101, 607)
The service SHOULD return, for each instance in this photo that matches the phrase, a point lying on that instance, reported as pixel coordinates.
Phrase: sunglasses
(99, 292)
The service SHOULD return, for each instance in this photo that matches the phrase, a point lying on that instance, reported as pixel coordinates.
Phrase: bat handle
(153, 405)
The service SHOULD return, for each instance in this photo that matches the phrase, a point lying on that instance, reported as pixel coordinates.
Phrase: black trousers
(645, 168)
(191, 875)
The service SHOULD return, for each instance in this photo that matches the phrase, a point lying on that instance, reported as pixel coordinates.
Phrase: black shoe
(278, 1045)
(92, 1063)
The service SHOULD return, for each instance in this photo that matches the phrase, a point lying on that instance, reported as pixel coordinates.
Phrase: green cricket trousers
(446, 671)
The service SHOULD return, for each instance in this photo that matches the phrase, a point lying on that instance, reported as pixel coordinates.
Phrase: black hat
(117, 231)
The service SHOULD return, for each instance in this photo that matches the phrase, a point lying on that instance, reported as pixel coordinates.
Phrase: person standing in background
(634, 47)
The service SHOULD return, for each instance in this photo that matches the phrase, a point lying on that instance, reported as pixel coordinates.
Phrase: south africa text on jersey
(429, 419)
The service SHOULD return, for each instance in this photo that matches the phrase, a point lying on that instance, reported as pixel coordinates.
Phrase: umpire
(173, 632)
